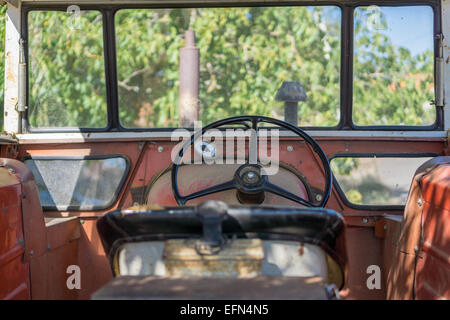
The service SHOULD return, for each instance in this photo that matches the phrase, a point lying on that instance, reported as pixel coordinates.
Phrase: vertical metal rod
(291, 112)
(189, 81)
(439, 99)
(22, 93)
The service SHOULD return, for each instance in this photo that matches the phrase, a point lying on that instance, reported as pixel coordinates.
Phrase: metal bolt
(160, 149)
(419, 202)
(319, 197)
(290, 148)
(385, 227)
(365, 220)
(31, 252)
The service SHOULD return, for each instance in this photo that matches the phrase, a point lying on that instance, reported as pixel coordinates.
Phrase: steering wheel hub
(249, 177)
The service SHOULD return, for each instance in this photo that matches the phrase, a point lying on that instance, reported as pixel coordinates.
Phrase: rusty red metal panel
(433, 267)
(14, 274)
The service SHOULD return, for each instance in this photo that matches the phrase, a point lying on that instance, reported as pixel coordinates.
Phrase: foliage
(245, 55)
(67, 78)
(391, 87)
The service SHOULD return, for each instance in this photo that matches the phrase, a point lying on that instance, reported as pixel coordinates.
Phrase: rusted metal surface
(241, 258)
(33, 219)
(14, 273)
(93, 263)
(363, 250)
(49, 273)
(388, 230)
(196, 177)
(433, 267)
(420, 267)
(153, 160)
(61, 231)
(70, 242)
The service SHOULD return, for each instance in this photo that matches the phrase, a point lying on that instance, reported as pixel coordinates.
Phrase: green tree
(246, 54)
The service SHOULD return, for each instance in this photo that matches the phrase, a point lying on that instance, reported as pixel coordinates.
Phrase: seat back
(269, 239)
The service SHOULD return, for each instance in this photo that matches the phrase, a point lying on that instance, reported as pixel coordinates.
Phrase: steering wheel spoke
(272, 188)
(214, 189)
(253, 143)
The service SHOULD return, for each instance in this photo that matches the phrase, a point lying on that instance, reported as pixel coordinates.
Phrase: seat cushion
(316, 226)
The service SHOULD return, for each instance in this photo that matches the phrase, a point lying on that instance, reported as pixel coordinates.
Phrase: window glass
(245, 55)
(376, 180)
(67, 73)
(393, 78)
(73, 184)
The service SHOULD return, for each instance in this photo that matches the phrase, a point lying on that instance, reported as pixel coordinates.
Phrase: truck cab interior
(225, 150)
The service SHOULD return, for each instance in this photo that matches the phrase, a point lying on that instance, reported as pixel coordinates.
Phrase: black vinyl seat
(214, 220)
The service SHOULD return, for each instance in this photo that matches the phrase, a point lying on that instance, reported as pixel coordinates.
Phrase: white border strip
(77, 137)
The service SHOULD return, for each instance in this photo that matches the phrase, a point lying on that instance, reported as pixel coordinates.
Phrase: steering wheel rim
(229, 185)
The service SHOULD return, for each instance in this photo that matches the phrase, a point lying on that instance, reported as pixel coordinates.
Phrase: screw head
(160, 149)
(419, 202)
(319, 197)
(365, 220)
(290, 148)
(31, 252)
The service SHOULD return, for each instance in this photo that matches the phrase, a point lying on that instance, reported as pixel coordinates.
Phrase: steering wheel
(250, 177)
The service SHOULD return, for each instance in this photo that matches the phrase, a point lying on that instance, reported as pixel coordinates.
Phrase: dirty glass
(393, 80)
(78, 183)
(245, 56)
(376, 180)
(67, 73)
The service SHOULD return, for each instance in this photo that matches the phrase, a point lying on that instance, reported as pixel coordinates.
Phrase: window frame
(373, 207)
(346, 68)
(89, 157)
